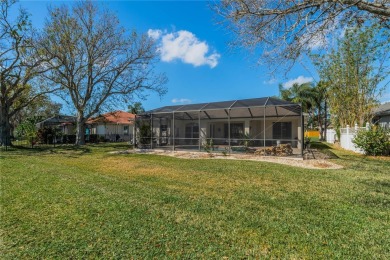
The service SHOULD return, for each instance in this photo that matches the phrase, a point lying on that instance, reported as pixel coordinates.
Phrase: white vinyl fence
(346, 136)
(331, 136)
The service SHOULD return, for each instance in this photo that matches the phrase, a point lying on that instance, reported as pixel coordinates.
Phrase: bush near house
(69, 139)
(374, 141)
(47, 135)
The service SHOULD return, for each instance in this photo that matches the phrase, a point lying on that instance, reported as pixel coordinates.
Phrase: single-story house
(113, 126)
(67, 124)
(382, 115)
(227, 125)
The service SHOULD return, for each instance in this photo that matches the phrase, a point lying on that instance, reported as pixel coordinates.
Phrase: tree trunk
(325, 120)
(320, 128)
(5, 127)
(80, 129)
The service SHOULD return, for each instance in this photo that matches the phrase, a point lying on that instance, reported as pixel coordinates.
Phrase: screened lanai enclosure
(249, 125)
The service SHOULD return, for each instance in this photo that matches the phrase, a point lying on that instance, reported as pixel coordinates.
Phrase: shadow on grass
(65, 149)
(23, 150)
(353, 161)
(324, 148)
(115, 146)
(45, 149)
(71, 150)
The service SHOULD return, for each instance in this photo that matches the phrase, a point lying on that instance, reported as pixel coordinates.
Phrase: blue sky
(195, 52)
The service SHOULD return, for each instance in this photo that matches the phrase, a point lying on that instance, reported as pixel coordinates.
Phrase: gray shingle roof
(56, 120)
(245, 108)
(383, 109)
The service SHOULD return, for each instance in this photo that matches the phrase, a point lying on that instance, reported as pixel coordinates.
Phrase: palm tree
(313, 99)
(319, 98)
(136, 108)
(298, 93)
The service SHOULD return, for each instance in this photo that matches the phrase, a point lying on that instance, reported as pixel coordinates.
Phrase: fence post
(356, 126)
(348, 137)
(367, 126)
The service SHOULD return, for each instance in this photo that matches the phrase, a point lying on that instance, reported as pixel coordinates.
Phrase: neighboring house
(63, 122)
(258, 122)
(113, 126)
(382, 115)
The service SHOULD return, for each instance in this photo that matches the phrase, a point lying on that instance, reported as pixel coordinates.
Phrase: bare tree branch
(18, 68)
(95, 59)
(283, 30)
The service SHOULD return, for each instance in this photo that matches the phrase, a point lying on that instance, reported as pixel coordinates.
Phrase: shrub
(144, 133)
(47, 135)
(27, 129)
(375, 141)
(69, 139)
(93, 138)
(209, 145)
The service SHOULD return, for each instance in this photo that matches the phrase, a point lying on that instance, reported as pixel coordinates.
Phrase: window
(163, 128)
(281, 130)
(126, 130)
(236, 130)
(212, 130)
(192, 131)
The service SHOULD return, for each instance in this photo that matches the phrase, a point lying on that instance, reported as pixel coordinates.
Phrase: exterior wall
(110, 131)
(69, 129)
(253, 127)
(100, 129)
(257, 127)
(384, 121)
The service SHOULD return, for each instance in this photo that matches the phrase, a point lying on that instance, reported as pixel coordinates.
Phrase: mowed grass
(85, 203)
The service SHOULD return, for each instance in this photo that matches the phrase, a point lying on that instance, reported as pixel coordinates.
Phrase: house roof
(383, 109)
(116, 117)
(245, 108)
(56, 120)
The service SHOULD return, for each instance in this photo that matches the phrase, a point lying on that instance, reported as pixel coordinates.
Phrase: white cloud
(185, 46)
(154, 34)
(314, 41)
(181, 100)
(385, 98)
(317, 43)
(299, 80)
(317, 35)
(270, 82)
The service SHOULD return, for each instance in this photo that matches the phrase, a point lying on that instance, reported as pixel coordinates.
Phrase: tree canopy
(95, 61)
(136, 108)
(285, 29)
(19, 68)
(355, 72)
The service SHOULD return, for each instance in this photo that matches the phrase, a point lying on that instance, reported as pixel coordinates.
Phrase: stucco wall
(384, 121)
(255, 127)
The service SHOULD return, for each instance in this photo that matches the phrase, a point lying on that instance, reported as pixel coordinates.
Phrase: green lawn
(84, 203)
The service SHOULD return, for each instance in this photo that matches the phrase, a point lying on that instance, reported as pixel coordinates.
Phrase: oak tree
(95, 61)
(284, 30)
(19, 85)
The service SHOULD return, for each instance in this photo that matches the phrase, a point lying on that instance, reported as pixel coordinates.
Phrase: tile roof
(116, 117)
